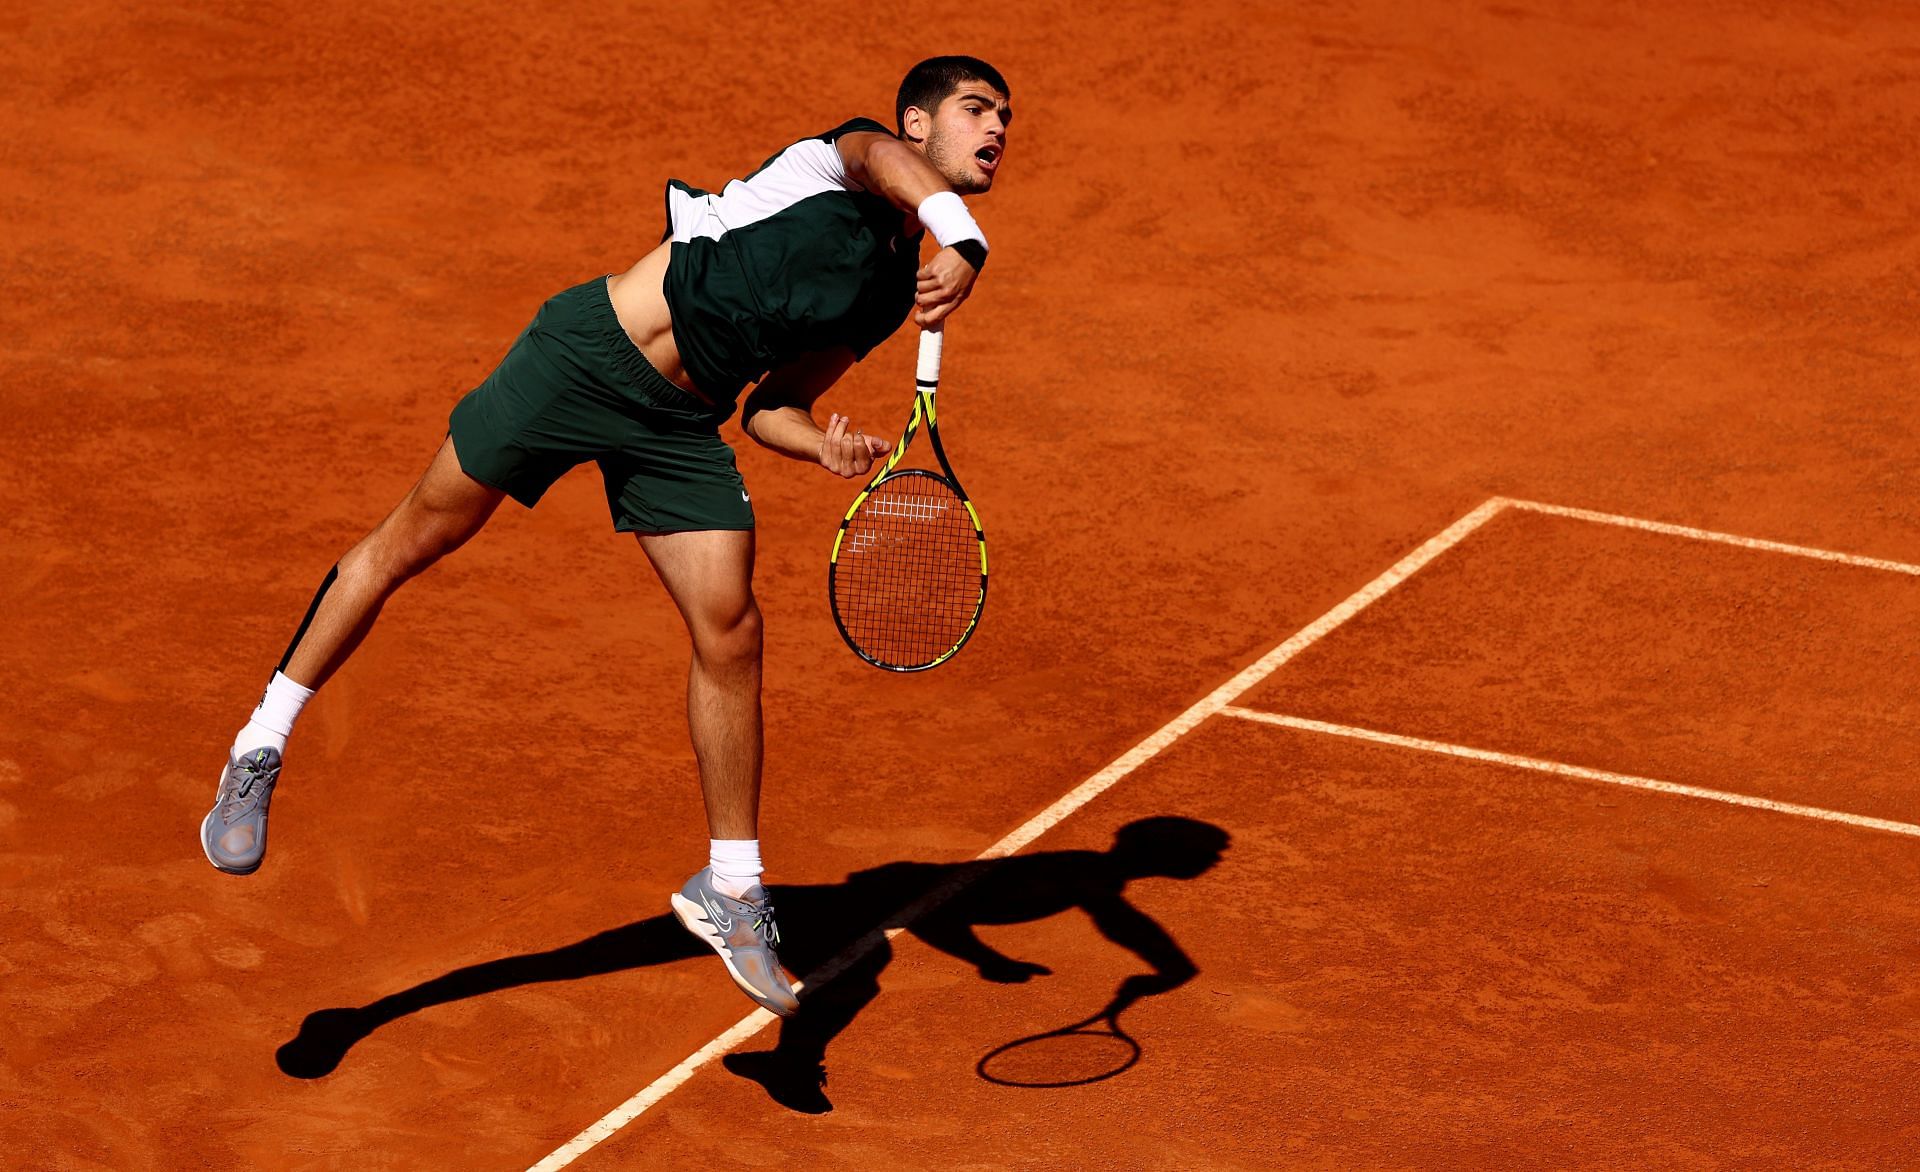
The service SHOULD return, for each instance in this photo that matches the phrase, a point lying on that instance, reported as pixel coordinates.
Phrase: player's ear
(915, 123)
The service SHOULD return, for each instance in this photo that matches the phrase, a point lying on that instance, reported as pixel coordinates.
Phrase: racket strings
(907, 584)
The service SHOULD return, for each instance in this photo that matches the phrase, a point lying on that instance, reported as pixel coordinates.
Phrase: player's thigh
(709, 575)
(442, 510)
(675, 486)
(446, 488)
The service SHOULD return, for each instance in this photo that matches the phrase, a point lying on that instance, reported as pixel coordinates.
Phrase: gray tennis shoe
(742, 931)
(234, 832)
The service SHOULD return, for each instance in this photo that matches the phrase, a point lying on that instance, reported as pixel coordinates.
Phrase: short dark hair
(933, 81)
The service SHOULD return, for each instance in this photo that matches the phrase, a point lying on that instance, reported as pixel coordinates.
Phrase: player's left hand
(944, 283)
(848, 452)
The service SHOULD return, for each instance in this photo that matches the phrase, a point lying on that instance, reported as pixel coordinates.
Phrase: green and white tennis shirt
(791, 259)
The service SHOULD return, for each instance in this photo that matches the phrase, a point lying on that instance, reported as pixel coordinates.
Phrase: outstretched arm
(884, 165)
(779, 415)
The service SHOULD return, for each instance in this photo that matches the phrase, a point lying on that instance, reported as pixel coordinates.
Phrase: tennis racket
(1085, 1052)
(908, 575)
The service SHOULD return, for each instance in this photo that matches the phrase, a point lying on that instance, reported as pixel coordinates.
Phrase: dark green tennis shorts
(575, 388)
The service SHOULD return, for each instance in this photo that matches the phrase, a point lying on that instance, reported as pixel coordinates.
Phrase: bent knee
(732, 636)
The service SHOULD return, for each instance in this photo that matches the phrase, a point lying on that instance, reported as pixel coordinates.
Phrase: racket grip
(928, 373)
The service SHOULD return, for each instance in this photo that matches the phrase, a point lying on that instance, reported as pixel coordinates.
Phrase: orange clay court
(1456, 459)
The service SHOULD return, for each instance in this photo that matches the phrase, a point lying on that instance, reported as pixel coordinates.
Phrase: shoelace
(243, 797)
(763, 925)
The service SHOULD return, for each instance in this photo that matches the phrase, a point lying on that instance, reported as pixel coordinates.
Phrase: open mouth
(989, 157)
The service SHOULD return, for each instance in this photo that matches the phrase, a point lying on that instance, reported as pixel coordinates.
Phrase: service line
(1212, 704)
(1802, 551)
(1580, 771)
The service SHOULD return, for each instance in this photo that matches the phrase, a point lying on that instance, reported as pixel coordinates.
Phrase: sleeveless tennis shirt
(791, 259)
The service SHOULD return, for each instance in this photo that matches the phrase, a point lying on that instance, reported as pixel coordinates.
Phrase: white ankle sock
(735, 863)
(272, 722)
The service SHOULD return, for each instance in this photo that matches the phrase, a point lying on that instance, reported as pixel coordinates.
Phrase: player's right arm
(1142, 935)
(884, 165)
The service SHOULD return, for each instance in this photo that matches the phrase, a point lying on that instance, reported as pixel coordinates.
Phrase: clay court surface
(1555, 839)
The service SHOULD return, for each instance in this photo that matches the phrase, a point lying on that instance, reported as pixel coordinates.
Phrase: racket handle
(928, 373)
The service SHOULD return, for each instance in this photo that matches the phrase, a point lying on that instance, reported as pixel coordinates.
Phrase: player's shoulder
(853, 126)
(818, 153)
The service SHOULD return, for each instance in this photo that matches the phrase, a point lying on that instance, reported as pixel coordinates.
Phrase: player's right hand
(849, 453)
(944, 283)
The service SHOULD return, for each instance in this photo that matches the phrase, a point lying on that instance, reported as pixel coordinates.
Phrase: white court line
(1213, 703)
(1585, 774)
(1805, 551)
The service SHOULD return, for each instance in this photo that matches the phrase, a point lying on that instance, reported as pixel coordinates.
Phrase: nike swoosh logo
(724, 923)
(744, 496)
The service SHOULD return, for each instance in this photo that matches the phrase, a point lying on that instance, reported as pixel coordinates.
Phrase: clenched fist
(943, 283)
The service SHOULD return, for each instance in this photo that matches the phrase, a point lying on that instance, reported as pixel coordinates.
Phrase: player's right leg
(441, 512)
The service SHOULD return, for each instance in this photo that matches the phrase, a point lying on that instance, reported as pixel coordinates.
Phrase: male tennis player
(784, 279)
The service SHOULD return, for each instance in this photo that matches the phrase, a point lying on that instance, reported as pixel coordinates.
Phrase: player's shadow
(820, 922)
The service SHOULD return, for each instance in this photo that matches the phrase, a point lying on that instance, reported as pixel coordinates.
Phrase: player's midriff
(640, 304)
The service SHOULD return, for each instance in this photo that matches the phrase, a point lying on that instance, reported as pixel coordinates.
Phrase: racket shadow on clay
(820, 922)
(1092, 1050)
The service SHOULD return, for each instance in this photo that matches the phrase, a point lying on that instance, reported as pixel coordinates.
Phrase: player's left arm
(779, 415)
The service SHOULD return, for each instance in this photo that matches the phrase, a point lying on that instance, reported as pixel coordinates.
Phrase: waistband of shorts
(626, 357)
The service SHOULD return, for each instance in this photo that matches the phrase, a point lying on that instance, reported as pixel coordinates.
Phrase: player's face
(968, 139)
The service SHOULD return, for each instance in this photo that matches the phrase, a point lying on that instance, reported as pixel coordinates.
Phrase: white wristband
(945, 215)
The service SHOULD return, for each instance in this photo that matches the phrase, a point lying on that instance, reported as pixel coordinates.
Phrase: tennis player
(783, 279)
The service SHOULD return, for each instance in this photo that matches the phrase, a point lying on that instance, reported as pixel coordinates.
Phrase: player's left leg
(709, 574)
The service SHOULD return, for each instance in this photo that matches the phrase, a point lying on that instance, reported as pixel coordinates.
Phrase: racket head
(1072, 1057)
(908, 577)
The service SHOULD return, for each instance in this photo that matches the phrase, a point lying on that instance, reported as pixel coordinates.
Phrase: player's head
(956, 110)
(1177, 848)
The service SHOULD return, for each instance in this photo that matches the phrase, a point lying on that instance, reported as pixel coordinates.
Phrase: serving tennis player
(783, 279)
